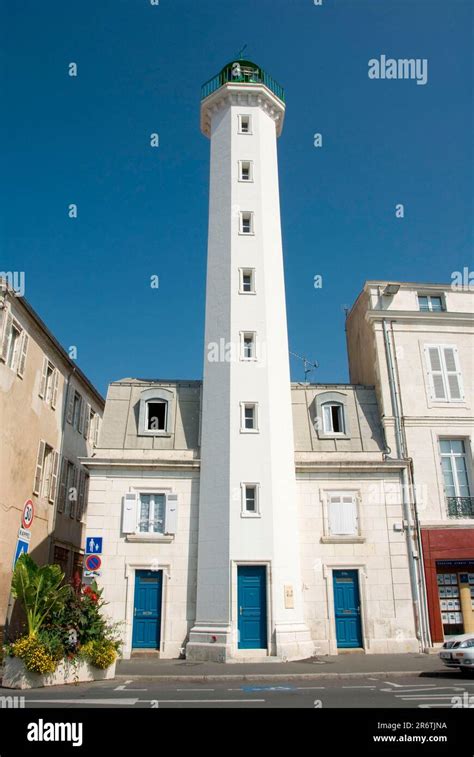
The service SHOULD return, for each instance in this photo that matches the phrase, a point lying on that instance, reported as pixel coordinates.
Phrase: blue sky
(143, 211)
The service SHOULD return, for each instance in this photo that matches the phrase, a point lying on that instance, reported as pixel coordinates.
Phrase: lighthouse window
(247, 281)
(156, 416)
(250, 500)
(248, 346)
(246, 223)
(244, 125)
(246, 172)
(249, 416)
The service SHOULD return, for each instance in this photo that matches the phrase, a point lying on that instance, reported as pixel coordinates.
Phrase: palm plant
(39, 590)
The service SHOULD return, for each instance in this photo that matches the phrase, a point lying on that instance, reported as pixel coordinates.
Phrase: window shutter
(96, 429)
(85, 494)
(453, 374)
(6, 336)
(129, 513)
(72, 493)
(80, 496)
(39, 468)
(70, 404)
(44, 374)
(54, 394)
(62, 486)
(327, 421)
(54, 477)
(80, 422)
(171, 516)
(22, 360)
(435, 373)
(87, 419)
(342, 516)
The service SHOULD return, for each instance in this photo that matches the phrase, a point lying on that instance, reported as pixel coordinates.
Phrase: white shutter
(453, 374)
(62, 486)
(22, 360)
(96, 429)
(6, 336)
(80, 422)
(44, 375)
(129, 513)
(53, 483)
(342, 516)
(72, 492)
(39, 468)
(435, 372)
(171, 514)
(54, 393)
(70, 404)
(80, 498)
(327, 420)
(87, 419)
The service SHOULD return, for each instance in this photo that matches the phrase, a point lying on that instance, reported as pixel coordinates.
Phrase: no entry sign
(93, 562)
(28, 514)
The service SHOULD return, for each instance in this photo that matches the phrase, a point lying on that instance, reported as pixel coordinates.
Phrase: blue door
(347, 608)
(252, 606)
(147, 609)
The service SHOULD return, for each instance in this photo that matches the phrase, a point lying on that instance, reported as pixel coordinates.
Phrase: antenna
(309, 365)
(241, 52)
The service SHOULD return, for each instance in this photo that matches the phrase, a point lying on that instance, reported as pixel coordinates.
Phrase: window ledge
(342, 539)
(246, 233)
(153, 538)
(249, 430)
(165, 434)
(322, 435)
(250, 515)
(241, 291)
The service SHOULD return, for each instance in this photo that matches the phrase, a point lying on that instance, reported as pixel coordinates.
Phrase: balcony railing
(249, 74)
(460, 507)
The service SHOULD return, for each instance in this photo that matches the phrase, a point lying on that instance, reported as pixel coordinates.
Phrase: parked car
(458, 652)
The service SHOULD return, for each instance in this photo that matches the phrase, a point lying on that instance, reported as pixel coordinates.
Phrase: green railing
(460, 507)
(249, 74)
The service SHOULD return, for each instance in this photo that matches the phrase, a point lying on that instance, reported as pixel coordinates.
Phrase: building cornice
(414, 316)
(355, 466)
(252, 95)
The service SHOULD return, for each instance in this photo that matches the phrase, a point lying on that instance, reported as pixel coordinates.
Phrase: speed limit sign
(28, 514)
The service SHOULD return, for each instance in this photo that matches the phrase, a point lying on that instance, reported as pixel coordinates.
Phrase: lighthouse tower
(249, 584)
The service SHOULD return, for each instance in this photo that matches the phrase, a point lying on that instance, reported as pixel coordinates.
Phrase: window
(156, 415)
(430, 303)
(247, 281)
(444, 373)
(46, 473)
(14, 344)
(333, 418)
(250, 500)
(156, 412)
(13, 350)
(246, 223)
(245, 170)
(49, 383)
(245, 123)
(61, 558)
(152, 514)
(71, 489)
(248, 346)
(456, 480)
(342, 515)
(249, 417)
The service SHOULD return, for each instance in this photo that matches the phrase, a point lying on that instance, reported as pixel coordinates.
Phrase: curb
(271, 676)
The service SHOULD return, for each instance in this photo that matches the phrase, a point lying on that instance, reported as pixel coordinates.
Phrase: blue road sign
(21, 547)
(94, 545)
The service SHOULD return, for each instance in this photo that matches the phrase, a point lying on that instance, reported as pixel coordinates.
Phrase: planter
(16, 676)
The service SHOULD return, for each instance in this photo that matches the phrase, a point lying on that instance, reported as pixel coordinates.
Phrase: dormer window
(156, 415)
(333, 418)
(156, 412)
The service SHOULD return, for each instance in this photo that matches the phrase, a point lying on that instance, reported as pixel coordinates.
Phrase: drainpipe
(395, 397)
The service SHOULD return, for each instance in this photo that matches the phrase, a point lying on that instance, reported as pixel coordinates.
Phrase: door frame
(130, 575)
(158, 574)
(328, 574)
(235, 565)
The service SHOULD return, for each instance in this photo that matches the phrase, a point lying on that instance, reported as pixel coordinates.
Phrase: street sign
(91, 574)
(28, 514)
(93, 562)
(94, 545)
(21, 548)
(24, 535)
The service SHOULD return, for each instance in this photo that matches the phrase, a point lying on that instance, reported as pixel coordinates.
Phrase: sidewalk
(339, 666)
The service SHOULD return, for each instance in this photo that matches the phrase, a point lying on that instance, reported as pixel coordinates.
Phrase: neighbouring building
(247, 517)
(50, 416)
(414, 343)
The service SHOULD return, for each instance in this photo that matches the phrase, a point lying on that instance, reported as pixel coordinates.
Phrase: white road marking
(190, 690)
(199, 701)
(361, 687)
(310, 688)
(108, 702)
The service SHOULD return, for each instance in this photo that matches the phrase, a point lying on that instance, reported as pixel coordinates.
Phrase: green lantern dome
(242, 72)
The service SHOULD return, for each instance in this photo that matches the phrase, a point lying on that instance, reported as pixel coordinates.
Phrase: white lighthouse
(249, 584)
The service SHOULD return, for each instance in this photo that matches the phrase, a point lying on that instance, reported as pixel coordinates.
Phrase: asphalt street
(425, 692)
